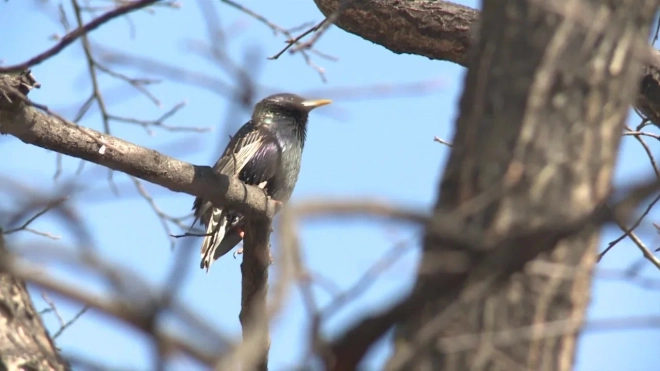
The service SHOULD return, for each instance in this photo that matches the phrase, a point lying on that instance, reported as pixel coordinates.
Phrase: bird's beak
(311, 104)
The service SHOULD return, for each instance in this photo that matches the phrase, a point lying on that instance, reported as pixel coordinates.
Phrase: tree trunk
(546, 96)
(24, 342)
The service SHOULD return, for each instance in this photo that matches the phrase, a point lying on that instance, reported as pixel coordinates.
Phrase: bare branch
(24, 226)
(79, 32)
(160, 122)
(254, 270)
(291, 40)
(442, 141)
(141, 315)
(34, 127)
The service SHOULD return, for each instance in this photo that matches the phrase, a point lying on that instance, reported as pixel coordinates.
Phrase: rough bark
(545, 101)
(24, 342)
(443, 30)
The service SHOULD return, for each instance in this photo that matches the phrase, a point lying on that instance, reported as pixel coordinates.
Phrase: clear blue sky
(357, 148)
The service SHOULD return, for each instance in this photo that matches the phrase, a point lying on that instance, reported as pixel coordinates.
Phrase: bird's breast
(290, 168)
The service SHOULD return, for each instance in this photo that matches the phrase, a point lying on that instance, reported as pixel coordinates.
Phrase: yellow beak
(316, 103)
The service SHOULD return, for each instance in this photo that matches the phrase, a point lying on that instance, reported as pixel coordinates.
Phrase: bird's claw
(238, 252)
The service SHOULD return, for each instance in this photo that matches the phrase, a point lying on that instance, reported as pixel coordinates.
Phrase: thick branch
(24, 342)
(434, 29)
(254, 269)
(33, 126)
(443, 30)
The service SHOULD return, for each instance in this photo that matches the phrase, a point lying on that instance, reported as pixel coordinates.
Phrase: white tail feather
(215, 233)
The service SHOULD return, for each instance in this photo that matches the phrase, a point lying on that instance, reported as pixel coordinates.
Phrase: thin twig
(277, 30)
(442, 141)
(323, 26)
(51, 205)
(138, 84)
(91, 67)
(160, 122)
(64, 326)
(78, 32)
(162, 216)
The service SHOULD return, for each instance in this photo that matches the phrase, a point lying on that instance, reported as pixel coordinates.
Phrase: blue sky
(360, 147)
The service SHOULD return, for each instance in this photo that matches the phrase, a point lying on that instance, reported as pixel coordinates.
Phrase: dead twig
(77, 33)
(160, 122)
(278, 30)
(442, 141)
(24, 227)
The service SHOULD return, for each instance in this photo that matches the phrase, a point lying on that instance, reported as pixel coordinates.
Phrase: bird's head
(287, 106)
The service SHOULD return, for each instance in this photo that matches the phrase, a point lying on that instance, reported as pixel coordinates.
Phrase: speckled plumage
(265, 152)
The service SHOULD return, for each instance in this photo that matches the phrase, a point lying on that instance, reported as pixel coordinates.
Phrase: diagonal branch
(35, 127)
(72, 36)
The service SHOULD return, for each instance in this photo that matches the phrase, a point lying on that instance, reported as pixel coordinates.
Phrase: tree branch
(72, 36)
(254, 269)
(443, 30)
(19, 118)
(24, 342)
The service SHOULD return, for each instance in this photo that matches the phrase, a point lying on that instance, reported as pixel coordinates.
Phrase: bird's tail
(215, 234)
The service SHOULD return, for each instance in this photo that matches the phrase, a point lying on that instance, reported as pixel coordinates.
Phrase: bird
(265, 152)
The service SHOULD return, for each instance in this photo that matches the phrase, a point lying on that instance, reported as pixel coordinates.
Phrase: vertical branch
(254, 270)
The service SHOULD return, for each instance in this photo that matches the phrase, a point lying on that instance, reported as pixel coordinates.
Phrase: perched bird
(265, 152)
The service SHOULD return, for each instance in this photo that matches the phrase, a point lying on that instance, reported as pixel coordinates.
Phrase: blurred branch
(482, 264)
(24, 341)
(63, 325)
(175, 73)
(162, 216)
(138, 84)
(356, 208)
(160, 122)
(510, 337)
(139, 312)
(254, 314)
(129, 298)
(79, 32)
(25, 226)
(291, 40)
(91, 67)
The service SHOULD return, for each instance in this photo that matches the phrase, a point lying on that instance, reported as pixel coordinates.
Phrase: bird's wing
(241, 148)
(264, 163)
(258, 157)
(253, 154)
